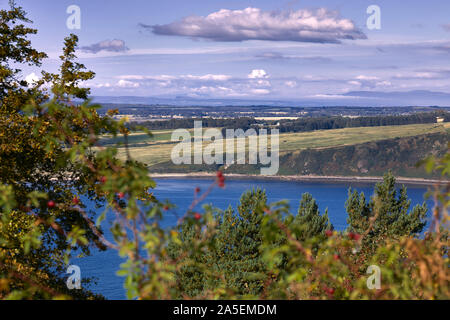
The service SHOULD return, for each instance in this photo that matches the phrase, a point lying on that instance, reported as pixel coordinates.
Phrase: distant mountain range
(352, 98)
(416, 97)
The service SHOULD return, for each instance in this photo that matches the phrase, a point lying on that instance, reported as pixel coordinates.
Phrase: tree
(234, 251)
(16, 49)
(33, 162)
(244, 268)
(192, 276)
(66, 84)
(386, 214)
(308, 222)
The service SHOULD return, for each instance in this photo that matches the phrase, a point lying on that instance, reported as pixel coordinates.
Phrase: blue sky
(250, 49)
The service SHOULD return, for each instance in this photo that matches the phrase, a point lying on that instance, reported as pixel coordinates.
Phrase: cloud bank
(115, 45)
(321, 25)
(280, 56)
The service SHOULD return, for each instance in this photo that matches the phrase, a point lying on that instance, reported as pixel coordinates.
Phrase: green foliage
(66, 84)
(235, 251)
(191, 278)
(241, 261)
(386, 213)
(308, 222)
(16, 49)
(35, 237)
(47, 163)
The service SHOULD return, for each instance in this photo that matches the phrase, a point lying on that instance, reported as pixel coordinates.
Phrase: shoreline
(309, 178)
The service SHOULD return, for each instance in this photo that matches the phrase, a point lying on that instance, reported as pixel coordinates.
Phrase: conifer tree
(389, 207)
(233, 258)
(246, 269)
(191, 277)
(386, 215)
(308, 222)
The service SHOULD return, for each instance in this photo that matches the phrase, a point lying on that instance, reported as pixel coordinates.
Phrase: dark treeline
(243, 123)
(324, 123)
(299, 125)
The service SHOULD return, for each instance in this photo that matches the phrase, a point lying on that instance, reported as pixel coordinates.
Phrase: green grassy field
(139, 138)
(157, 149)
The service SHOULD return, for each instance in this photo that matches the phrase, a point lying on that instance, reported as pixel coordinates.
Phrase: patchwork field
(158, 148)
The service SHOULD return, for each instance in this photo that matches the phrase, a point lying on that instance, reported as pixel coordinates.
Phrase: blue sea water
(103, 265)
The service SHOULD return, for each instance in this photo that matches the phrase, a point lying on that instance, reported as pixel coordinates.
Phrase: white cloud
(355, 83)
(258, 74)
(215, 77)
(442, 74)
(127, 84)
(260, 91)
(31, 79)
(363, 77)
(263, 83)
(211, 89)
(290, 84)
(115, 45)
(371, 82)
(321, 25)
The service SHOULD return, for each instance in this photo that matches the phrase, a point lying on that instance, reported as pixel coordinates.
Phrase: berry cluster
(354, 236)
(220, 179)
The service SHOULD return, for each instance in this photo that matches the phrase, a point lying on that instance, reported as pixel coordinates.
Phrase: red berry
(328, 233)
(51, 204)
(336, 257)
(103, 179)
(75, 200)
(354, 236)
(197, 190)
(331, 291)
(165, 208)
(328, 290)
(220, 179)
(197, 216)
(121, 195)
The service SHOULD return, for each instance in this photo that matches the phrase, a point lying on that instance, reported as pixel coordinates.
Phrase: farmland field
(157, 149)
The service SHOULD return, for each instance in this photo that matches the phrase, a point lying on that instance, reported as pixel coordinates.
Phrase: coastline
(309, 178)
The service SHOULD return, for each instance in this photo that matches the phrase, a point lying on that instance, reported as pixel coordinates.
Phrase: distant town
(143, 113)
